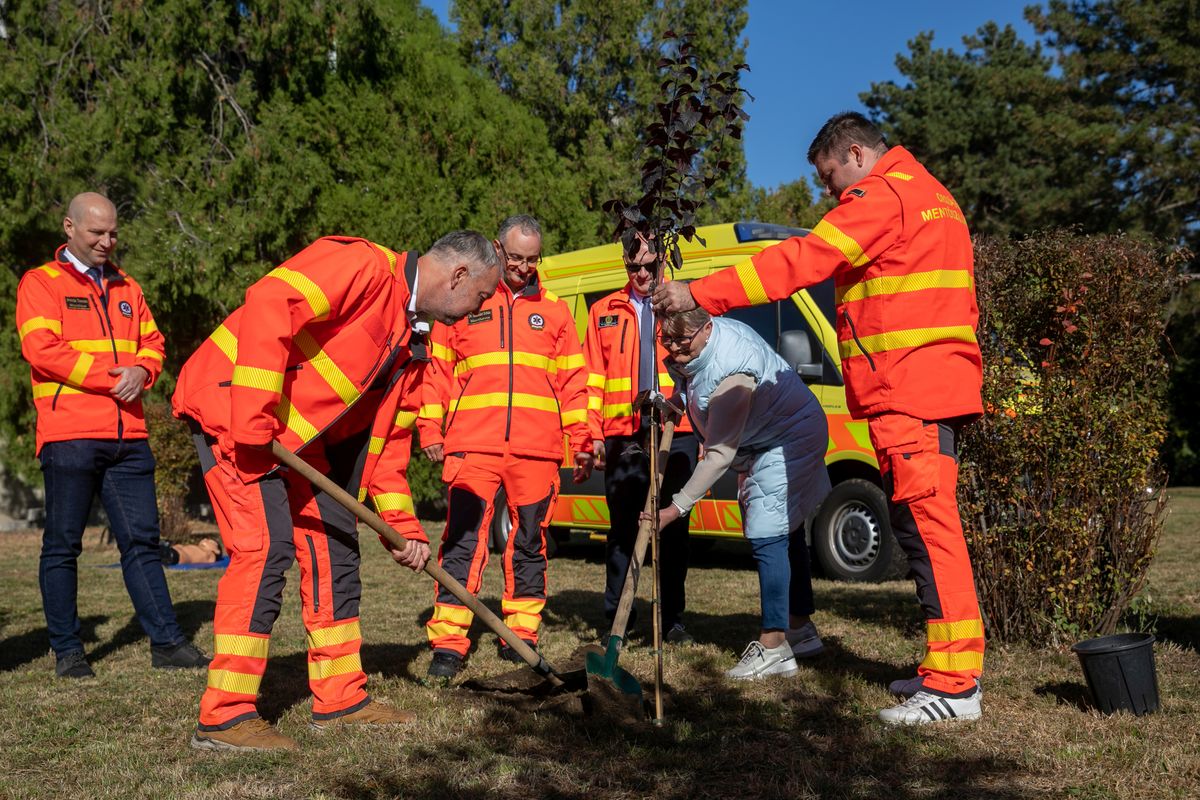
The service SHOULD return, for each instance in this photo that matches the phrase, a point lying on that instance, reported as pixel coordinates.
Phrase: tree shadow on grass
(1183, 631)
(191, 615)
(24, 648)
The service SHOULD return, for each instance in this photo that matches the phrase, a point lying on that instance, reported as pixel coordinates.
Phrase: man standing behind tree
(899, 251)
(94, 349)
(624, 358)
(508, 381)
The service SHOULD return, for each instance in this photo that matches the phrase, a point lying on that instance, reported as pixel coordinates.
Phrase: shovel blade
(600, 666)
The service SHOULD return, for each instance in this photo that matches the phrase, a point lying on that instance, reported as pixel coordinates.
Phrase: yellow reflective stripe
(904, 176)
(147, 327)
(329, 371)
(49, 270)
(391, 257)
(362, 494)
(306, 287)
(551, 296)
(664, 380)
(594, 403)
(374, 447)
(267, 380)
(611, 410)
(226, 680)
(333, 635)
(225, 341)
(431, 411)
(393, 501)
(80, 370)
(332, 667)
(899, 340)
(40, 323)
(500, 400)
(441, 351)
(570, 362)
(50, 389)
(846, 245)
(294, 421)
(595, 380)
(618, 384)
(459, 615)
(751, 283)
(897, 284)
(573, 417)
(500, 359)
(953, 662)
(953, 631)
(103, 345)
(231, 644)
(146, 352)
(405, 419)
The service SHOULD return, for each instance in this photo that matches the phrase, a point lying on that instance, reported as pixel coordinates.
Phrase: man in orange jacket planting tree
(93, 350)
(898, 249)
(317, 360)
(507, 382)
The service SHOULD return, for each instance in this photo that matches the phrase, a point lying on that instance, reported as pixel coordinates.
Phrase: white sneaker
(759, 662)
(923, 708)
(804, 641)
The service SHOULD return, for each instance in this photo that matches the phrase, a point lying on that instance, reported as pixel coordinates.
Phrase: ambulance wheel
(502, 527)
(851, 536)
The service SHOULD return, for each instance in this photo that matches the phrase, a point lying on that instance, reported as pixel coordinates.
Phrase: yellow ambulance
(850, 534)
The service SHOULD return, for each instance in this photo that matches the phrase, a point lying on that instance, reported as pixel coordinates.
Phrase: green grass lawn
(125, 734)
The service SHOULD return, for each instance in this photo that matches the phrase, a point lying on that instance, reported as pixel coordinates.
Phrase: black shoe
(444, 666)
(509, 654)
(677, 634)
(73, 665)
(184, 655)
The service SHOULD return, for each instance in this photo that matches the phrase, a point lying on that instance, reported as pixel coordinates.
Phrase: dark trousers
(123, 472)
(626, 484)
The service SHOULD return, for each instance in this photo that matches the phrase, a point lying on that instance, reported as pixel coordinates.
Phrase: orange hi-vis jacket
(900, 253)
(508, 378)
(72, 336)
(323, 331)
(611, 347)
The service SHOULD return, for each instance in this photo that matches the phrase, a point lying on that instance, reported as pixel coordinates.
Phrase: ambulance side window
(763, 319)
(801, 347)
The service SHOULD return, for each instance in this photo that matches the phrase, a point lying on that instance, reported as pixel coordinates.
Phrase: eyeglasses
(517, 261)
(678, 341)
(634, 269)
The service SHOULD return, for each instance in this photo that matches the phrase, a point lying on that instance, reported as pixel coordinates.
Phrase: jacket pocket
(908, 450)
(451, 466)
(247, 522)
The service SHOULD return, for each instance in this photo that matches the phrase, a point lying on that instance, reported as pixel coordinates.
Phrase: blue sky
(809, 60)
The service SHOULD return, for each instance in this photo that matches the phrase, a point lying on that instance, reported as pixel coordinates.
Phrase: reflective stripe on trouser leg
(464, 551)
(256, 531)
(531, 485)
(930, 532)
(328, 557)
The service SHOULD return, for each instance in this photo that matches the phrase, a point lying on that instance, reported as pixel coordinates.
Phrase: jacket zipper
(557, 404)
(854, 333)
(57, 392)
(511, 308)
(316, 576)
(458, 400)
(386, 351)
(113, 342)
(624, 329)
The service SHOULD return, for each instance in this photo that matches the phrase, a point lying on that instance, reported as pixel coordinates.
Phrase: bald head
(91, 228)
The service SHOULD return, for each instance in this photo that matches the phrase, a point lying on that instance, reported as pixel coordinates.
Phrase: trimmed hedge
(1061, 490)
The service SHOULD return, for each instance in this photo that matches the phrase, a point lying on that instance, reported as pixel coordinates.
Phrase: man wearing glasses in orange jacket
(501, 389)
(899, 251)
(93, 349)
(624, 357)
(317, 360)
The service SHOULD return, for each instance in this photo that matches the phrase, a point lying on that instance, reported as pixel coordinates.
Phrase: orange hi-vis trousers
(919, 463)
(265, 526)
(531, 485)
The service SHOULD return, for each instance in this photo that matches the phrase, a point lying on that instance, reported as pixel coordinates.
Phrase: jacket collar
(111, 271)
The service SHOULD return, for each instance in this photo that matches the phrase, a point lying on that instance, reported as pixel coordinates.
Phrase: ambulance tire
(852, 538)
(502, 527)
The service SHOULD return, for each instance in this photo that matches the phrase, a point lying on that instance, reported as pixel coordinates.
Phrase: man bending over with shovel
(315, 360)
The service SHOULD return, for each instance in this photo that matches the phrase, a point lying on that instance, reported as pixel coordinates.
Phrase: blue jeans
(784, 578)
(123, 471)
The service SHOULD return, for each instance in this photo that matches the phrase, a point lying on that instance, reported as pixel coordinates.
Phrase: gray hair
(470, 246)
(675, 324)
(527, 225)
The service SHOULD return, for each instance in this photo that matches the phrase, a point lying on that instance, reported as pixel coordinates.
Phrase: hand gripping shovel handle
(645, 529)
(432, 568)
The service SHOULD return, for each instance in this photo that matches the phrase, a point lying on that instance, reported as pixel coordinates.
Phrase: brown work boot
(250, 734)
(373, 713)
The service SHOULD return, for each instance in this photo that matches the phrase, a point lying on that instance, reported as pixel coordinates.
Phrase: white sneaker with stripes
(759, 662)
(923, 708)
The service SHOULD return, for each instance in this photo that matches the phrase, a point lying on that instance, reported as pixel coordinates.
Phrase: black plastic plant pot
(1120, 672)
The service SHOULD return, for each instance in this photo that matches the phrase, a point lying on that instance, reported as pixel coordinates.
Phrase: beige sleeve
(728, 410)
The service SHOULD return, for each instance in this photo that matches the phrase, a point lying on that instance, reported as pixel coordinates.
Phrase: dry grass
(125, 734)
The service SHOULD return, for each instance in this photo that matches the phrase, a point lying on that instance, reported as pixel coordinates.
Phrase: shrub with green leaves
(1061, 488)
